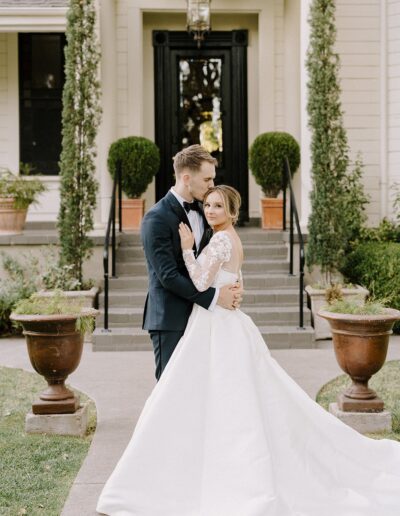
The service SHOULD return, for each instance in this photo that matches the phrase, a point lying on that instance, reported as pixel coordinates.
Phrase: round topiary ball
(140, 161)
(266, 158)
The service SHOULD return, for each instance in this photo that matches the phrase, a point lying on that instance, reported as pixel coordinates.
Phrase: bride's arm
(217, 252)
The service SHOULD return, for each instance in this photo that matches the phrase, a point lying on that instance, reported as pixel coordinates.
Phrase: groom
(171, 292)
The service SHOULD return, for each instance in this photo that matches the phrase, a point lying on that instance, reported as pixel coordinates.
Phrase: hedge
(376, 266)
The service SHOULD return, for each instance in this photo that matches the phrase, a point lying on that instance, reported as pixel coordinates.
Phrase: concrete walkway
(119, 383)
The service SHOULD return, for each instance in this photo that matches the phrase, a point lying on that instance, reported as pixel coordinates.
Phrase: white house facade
(266, 39)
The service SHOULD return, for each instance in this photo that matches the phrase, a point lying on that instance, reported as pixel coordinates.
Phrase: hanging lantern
(198, 18)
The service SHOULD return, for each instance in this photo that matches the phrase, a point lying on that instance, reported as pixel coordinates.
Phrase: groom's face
(199, 182)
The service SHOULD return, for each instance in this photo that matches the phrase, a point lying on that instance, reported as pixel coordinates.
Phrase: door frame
(164, 43)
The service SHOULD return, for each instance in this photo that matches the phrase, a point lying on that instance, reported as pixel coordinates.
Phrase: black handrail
(294, 217)
(111, 229)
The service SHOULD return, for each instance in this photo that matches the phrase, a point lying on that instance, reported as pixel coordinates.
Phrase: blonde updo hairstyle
(231, 199)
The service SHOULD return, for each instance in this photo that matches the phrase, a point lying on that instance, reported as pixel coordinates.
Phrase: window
(41, 80)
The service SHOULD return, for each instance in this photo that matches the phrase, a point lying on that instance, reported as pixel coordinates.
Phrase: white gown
(226, 432)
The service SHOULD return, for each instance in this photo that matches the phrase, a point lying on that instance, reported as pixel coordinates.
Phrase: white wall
(358, 43)
(393, 91)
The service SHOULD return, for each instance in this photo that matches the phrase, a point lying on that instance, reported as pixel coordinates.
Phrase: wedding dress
(226, 432)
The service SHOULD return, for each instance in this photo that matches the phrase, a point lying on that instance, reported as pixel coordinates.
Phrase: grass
(36, 471)
(386, 383)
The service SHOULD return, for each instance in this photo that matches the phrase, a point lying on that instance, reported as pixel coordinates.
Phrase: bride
(226, 432)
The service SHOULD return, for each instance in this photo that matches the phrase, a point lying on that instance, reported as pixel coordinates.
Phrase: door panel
(201, 97)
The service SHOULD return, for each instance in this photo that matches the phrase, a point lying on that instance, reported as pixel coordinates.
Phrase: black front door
(201, 97)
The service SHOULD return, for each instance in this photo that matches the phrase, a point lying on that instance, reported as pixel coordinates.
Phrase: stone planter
(12, 221)
(318, 301)
(361, 344)
(132, 213)
(88, 299)
(55, 349)
(272, 213)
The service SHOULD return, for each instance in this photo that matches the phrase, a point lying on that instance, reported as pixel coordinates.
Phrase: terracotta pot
(12, 221)
(361, 344)
(55, 350)
(272, 213)
(132, 213)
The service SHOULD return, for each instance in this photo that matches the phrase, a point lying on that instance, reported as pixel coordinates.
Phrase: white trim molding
(31, 19)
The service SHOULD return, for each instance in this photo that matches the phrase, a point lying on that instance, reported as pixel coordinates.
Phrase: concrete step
(257, 235)
(247, 235)
(252, 281)
(251, 265)
(270, 279)
(276, 315)
(129, 282)
(268, 250)
(262, 315)
(252, 297)
(124, 298)
(135, 339)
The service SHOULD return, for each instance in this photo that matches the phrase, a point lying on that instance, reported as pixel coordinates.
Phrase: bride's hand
(187, 238)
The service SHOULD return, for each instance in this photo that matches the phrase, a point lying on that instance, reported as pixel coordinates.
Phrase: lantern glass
(198, 15)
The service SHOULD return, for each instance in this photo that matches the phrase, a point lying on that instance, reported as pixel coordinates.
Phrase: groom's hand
(230, 296)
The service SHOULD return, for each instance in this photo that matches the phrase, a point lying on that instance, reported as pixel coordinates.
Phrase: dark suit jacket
(171, 292)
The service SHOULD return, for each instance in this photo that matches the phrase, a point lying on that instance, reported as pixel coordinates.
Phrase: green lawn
(36, 471)
(387, 384)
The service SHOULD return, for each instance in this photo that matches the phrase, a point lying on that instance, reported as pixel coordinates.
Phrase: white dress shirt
(197, 225)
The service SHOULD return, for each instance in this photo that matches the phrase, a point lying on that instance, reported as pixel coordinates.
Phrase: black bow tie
(195, 206)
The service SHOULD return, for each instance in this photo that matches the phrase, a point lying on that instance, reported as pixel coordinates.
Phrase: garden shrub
(376, 266)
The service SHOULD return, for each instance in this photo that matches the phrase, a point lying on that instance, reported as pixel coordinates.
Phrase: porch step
(119, 316)
(252, 280)
(247, 236)
(251, 297)
(267, 250)
(134, 339)
(271, 295)
(251, 265)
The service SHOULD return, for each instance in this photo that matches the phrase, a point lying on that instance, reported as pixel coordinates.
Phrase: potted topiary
(54, 329)
(140, 161)
(266, 158)
(16, 195)
(360, 338)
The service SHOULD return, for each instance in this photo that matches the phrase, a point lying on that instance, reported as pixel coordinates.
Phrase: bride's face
(214, 210)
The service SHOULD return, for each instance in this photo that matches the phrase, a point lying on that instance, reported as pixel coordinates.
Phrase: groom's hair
(192, 158)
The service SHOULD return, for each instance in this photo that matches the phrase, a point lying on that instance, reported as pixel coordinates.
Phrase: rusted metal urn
(361, 344)
(55, 350)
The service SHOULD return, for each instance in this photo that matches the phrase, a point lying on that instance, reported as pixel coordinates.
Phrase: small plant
(27, 169)
(57, 305)
(140, 161)
(353, 307)
(56, 276)
(266, 160)
(334, 293)
(22, 280)
(24, 191)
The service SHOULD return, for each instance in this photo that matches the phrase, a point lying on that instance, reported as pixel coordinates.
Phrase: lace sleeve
(217, 252)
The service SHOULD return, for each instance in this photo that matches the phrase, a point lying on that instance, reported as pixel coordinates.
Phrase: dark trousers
(164, 343)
